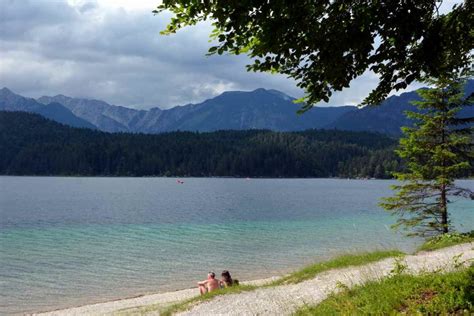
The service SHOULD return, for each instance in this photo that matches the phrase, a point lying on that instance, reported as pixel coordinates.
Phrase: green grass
(427, 294)
(447, 240)
(338, 262)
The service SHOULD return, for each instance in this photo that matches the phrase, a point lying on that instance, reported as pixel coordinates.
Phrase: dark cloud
(94, 51)
(87, 49)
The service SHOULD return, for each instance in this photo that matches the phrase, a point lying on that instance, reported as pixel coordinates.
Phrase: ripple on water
(69, 241)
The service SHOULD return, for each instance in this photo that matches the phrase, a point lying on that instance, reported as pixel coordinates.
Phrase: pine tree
(437, 150)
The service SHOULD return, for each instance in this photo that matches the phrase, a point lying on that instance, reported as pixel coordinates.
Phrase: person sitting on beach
(209, 285)
(226, 280)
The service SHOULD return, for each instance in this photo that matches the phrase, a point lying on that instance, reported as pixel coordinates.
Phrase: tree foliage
(32, 145)
(326, 44)
(437, 150)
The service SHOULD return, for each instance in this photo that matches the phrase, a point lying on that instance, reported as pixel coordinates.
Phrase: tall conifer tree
(437, 150)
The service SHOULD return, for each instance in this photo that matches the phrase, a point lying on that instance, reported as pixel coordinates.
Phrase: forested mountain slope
(33, 145)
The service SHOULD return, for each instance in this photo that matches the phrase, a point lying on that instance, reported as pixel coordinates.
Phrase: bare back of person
(212, 284)
(209, 285)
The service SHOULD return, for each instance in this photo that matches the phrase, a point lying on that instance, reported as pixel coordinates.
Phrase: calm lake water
(73, 241)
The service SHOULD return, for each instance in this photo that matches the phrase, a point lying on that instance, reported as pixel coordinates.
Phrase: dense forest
(33, 145)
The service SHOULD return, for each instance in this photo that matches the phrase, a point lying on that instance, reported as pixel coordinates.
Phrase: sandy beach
(128, 304)
(284, 299)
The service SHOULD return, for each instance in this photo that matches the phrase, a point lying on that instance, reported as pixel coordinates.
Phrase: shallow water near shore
(74, 241)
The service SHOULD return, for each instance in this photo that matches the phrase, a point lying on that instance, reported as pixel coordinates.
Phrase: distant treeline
(33, 145)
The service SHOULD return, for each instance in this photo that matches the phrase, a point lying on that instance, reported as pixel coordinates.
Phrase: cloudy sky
(111, 50)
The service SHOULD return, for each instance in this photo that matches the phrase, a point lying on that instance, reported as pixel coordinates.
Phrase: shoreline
(140, 300)
(198, 177)
(190, 177)
(284, 298)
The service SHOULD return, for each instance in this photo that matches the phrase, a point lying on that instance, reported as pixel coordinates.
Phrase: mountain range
(233, 110)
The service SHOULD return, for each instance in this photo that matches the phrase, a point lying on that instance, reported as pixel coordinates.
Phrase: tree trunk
(444, 200)
(444, 210)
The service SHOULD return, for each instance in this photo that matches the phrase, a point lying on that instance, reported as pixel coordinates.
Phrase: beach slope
(287, 298)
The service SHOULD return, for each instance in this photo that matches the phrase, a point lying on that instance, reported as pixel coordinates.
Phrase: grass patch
(447, 240)
(339, 262)
(428, 294)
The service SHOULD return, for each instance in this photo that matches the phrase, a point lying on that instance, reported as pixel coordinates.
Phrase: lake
(67, 241)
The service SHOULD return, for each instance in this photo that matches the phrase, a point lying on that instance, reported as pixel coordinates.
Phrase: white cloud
(130, 4)
(112, 50)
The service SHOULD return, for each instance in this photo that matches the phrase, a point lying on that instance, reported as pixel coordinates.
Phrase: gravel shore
(128, 306)
(284, 299)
